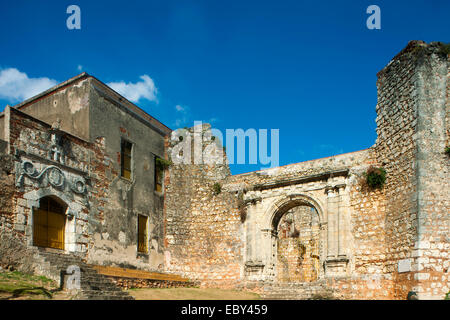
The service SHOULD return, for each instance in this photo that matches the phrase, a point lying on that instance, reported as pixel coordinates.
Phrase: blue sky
(307, 68)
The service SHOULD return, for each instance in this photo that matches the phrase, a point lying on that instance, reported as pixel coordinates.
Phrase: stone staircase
(317, 290)
(93, 286)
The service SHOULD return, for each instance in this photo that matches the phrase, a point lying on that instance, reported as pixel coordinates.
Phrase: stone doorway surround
(266, 205)
(72, 213)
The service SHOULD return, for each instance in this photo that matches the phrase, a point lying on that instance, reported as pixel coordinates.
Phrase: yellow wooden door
(40, 234)
(55, 230)
(48, 229)
(142, 234)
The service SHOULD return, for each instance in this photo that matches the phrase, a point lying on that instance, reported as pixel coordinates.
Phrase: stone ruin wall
(122, 199)
(203, 229)
(412, 135)
(406, 222)
(396, 238)
(364, 238)
(29, 141)
(107, 231)
(298, 250)
(205, 233)
(12, 242)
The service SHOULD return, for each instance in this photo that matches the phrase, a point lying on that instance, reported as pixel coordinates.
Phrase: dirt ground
(19, 286)
(191, 294)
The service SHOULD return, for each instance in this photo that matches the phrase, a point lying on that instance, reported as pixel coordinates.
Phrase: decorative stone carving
(254, 268)
(55, 177)
(78, 185)
(336, 266)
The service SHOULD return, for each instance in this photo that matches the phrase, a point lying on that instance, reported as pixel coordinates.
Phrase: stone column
(267, 245)
(336, 263)
(332, 211)
(341, 215)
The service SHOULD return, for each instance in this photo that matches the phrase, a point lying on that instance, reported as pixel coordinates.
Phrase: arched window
(49, 223)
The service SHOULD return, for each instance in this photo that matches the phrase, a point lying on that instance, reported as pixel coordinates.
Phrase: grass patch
(192, 294)
(18, 285)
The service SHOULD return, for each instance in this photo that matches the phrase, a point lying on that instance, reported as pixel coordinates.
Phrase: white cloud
(179, 108)
(79, 67)
(16, 86)
(144, 89)
(182, 114)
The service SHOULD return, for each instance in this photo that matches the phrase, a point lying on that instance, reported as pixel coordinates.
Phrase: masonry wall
(68, 103)
(208, 235)
(363, 240)
(203, 231)
(411, 141)
(433, 174)
(298, 248)
(2, 126)
(12, 243)
(29, 141)
(367, 277)
(86, 108)
(119, 200)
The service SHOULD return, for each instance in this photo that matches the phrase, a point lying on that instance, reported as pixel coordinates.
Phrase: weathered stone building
(69, 143)
(79, 166)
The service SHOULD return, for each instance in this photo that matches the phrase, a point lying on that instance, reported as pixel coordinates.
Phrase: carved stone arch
(273, 215)
(72, 213)
(270, 237)
(33, 198)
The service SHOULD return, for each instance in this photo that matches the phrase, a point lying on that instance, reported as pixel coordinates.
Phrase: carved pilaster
(332, 208)
(337, 261)
(342, 208)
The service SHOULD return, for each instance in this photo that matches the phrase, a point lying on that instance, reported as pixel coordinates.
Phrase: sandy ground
(191, 294)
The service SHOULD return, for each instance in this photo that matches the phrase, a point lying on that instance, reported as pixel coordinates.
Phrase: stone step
(105, 293)
(108, 297)
(92, 284)
(100, 286)
(297, 291)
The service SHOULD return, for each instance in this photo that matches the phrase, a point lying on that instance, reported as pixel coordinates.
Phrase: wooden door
(48, 225)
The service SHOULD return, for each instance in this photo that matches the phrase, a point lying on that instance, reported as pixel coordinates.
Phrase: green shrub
(444, 48)
(163, 163)
(447, 151)
(375, 177)
(217, 188)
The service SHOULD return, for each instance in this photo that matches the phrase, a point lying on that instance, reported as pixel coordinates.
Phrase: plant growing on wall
(241, 206)
(217, 188)
(444, 48)
(375, 177)
(163, 163)
(447, 151)
(301, 249)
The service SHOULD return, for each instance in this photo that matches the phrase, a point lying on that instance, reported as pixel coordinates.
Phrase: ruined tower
(413, 131)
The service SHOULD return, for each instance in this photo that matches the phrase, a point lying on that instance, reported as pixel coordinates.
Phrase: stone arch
(33, 198)
(73, 209)
(275, 211)
(271, 220)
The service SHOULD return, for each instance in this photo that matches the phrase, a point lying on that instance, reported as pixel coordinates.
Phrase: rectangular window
(126, 159)
(142, 234)
(159, 174)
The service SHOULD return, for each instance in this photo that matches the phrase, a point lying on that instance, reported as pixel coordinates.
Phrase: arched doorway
(49, 223)
(298, 245)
